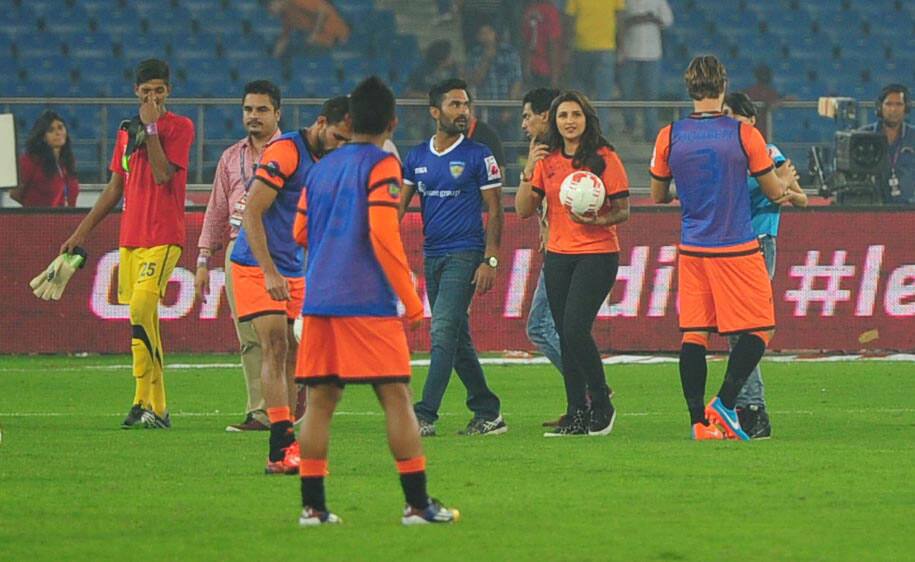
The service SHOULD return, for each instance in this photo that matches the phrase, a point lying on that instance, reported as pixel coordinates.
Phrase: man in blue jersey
(268, 267)
(765, 216)
(455, 177)
(723, 284)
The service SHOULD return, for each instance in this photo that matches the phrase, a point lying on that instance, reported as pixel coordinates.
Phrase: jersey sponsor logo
(775, 153)
(272, 167)
(456, 168)
(420, 170)
(394, 189)
(492, 168)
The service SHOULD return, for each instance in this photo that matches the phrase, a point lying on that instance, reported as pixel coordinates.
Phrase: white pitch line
(443, 414)
(612, 360)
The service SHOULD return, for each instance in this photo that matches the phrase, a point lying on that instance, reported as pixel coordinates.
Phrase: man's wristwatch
(491, 261)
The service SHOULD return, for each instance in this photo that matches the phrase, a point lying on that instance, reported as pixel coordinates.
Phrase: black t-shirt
(484, 134)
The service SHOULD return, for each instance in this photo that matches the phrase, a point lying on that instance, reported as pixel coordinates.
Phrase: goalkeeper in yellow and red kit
(149, 169)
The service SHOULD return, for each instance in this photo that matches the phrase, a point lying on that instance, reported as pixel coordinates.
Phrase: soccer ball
(582, 192)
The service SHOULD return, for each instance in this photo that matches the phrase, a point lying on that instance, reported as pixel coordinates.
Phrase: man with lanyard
(898, 180)
(222, 221)
(268, 267)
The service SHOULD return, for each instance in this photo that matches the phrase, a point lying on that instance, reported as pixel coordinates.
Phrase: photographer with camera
(897, 178)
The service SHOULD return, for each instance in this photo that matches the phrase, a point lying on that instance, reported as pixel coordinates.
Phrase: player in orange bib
(355, 271)
(723, 283)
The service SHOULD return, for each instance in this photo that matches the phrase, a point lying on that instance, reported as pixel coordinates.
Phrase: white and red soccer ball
(582, 192)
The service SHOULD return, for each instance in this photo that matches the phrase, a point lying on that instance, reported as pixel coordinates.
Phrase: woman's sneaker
(312, 518)
(576, 424)
(434, 513)
(601, 422)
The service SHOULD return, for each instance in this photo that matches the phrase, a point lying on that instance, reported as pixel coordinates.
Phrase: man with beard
(455, 177)
(268, 266)
(222, 221)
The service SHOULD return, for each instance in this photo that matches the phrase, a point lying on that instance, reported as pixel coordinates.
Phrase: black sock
(744, 358)
(693, 372)
(414, 489)
(281, 436)
(313, 492)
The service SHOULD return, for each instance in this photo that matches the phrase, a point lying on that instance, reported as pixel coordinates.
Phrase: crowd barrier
(845, 281)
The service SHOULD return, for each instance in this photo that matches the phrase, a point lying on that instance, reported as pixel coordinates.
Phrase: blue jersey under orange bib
(283, 167)
(343, 277)
(708, 156)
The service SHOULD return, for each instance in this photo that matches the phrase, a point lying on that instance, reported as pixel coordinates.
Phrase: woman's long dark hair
(37, 147)
(591, 140)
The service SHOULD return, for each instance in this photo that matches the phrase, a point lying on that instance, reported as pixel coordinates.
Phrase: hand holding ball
(582, 193)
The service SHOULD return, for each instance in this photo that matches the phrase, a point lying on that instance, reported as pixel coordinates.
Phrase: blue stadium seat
(119, 22)
(90, 46)
(198, 47)
(137, 47)
(37, 46)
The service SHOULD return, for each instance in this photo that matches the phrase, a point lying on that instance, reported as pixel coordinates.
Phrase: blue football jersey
(450, 185)
(765, 214)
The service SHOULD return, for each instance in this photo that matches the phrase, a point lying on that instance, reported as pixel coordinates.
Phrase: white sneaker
(311, 518)
(435, 513)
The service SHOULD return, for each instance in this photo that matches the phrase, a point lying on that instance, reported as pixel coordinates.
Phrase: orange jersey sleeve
(757, 153)
(616, 182)
(384, 232)
(300, 226)
(278, 162)
(660, 157)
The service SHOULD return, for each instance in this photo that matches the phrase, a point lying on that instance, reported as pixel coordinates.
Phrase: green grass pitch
(834, 483)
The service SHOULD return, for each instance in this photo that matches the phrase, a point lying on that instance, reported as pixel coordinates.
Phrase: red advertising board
(845, 281)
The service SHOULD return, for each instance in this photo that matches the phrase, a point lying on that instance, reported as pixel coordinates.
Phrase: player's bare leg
(273, 332)
(406, 446)
(314, 436)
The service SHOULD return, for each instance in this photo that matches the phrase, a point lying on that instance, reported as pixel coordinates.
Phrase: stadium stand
(86, 48)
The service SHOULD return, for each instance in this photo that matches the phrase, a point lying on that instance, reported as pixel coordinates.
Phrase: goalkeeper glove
(50, 284)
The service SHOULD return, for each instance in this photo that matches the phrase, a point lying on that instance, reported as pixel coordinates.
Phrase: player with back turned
(355, 272)
(723, 283)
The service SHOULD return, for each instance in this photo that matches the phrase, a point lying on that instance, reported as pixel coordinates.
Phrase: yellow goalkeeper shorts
(146, 269)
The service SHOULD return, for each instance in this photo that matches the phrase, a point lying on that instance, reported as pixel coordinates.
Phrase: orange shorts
(253, 300)
(725, 290)
(352, 349)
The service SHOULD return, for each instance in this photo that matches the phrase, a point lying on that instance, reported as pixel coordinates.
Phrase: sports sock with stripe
(743, 359)
(413, 481)
(693, 372)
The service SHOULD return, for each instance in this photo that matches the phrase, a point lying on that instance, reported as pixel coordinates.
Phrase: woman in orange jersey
(582, 253)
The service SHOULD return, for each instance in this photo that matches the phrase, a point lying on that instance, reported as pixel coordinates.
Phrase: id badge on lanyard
(238, 211)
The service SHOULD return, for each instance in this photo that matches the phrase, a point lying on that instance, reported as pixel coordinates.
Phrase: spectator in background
(474, 13)
(47, 169)
(763, 92)
(495, 73)
(542, 48)
(318, 20)
(438, 64)
(445, 11)
(494, 68)
(592, 23)
(640, 53)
